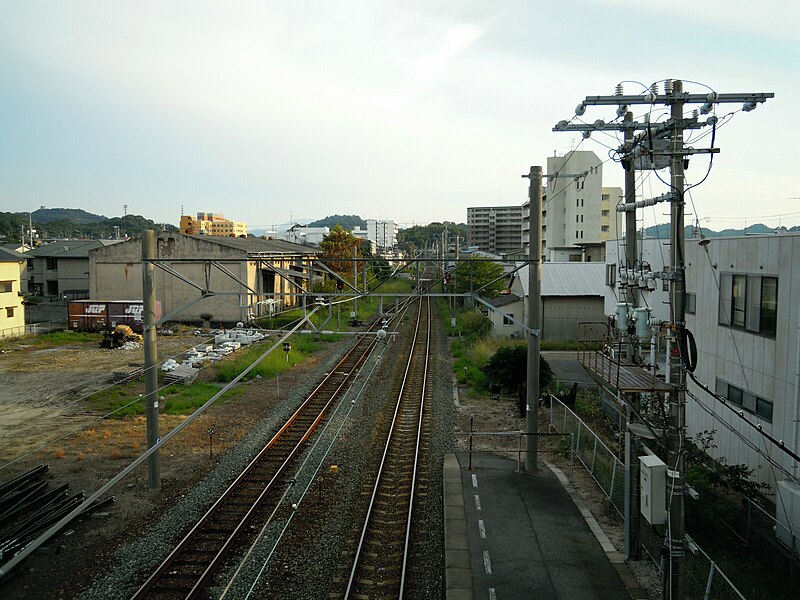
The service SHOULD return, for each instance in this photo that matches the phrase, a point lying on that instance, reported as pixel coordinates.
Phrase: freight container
(100, 315)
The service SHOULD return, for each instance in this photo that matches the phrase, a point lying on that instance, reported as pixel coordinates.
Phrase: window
(605, 198)
(52, 263)
(581, 218)
(611, 274)
(745, 400)
(603, 227)
(577, 202)
(691, 303)
(576, 234)
(10, 312)
(30, 265)
(749, 302)
(6, 286)
(738, 299)
(581, 234)
(577, 219)
(507, 320)
(769, 306)
(604, 213)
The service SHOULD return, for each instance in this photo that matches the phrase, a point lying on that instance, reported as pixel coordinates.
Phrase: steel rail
(325, 393)
(394, 439)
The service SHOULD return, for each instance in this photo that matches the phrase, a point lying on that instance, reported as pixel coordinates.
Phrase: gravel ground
(301, 554)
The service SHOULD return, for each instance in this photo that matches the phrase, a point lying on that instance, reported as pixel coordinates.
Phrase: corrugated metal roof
(257, 245)
(569, 279)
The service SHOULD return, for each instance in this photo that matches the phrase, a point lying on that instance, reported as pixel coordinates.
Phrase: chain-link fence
(704, 580)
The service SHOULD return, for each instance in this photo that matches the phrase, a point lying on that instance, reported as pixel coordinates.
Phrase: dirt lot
(40, 401)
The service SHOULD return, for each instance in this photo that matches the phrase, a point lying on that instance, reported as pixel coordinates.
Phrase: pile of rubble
(225, 343)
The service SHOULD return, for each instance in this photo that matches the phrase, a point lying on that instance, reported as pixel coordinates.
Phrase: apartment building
(212, 224)
(495, 229)
(383, 233)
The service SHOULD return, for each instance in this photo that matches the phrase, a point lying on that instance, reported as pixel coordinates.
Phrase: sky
(270, 111)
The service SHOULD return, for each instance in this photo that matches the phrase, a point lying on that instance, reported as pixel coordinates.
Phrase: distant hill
(75, 223)
(347, 221)
(76, 215)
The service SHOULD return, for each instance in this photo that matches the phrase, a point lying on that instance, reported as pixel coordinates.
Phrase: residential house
(61, 269)
(12, 312)
(244, 277)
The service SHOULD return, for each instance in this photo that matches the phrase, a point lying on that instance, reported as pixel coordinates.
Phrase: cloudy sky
(411, 111)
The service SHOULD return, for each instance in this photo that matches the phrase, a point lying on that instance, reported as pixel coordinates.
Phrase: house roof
(7, 255)
(69, 248)
(504, 300)
(568, 279)
(258, 245)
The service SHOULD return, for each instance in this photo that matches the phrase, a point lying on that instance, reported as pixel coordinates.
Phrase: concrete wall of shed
(560, 317)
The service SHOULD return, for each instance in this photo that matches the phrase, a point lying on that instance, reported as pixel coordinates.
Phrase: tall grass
(53, 339)
(178, 399)
(303, 345)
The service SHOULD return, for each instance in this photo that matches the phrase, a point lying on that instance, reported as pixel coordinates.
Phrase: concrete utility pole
(642, 146)
(631, 549)
(677, 405)
(150, 354)
(534, 326)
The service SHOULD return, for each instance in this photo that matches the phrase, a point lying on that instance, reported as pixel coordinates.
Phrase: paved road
(567, 369)
(528, 540)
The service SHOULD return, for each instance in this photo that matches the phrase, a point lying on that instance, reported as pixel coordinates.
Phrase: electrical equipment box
(787, 513)
(653, 489)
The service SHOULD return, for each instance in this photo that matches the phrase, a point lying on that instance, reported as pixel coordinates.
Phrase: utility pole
(534, 302)
(677, 405)
(631, 546)
(150, 354)
(663, 141)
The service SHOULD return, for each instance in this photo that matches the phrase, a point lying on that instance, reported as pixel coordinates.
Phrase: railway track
(230, 523)
(380, 564)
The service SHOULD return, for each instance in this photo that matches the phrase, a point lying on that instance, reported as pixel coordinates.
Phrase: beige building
(12, 312)
(244, 277)
(578, 213)
(212, 224)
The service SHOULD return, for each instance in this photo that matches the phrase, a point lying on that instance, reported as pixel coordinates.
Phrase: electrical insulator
(618, 90)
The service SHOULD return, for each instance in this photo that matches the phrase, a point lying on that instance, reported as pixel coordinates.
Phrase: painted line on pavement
(482, 528)
(492, 594)
(477, 502)
(474, 480)
(487, 564)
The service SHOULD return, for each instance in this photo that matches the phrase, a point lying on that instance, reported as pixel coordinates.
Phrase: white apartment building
(308, 236)
(383, 233)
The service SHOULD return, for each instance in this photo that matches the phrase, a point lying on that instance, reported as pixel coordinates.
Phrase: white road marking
(492, 595)
(482, 528)
(477, 502)
(487, 564)
(474, 480)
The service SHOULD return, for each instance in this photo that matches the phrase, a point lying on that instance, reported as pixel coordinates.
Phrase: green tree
(508, 368)
(337, 249)
(474, 273)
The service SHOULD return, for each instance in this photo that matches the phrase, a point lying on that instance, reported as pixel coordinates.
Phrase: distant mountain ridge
(662, 231)
(75, 223)
(76, 215)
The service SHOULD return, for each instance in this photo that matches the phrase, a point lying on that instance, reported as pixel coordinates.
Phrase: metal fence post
(613, 480)
(710, 581)
(594, 453)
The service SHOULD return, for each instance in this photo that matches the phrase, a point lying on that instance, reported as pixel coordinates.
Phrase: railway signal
(287, 347)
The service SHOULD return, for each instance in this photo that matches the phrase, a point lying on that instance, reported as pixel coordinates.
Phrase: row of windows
(745, 400)
(749, 302)
(578, 236)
